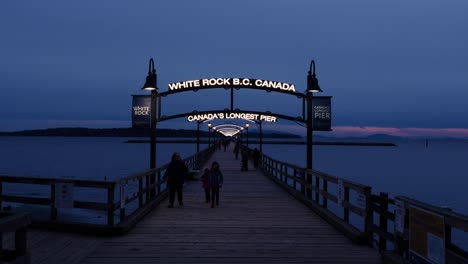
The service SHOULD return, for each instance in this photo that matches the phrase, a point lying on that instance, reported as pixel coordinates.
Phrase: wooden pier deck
(256, 222)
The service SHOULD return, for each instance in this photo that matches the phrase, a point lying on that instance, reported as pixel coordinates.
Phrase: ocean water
(437, 174)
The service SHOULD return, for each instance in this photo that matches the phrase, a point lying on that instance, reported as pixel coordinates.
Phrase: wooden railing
(134, 196)
(317, 189)
(17, 224)
(385, 207)
(376, 212)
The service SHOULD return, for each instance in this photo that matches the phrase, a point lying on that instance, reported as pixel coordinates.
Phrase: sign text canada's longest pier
(231, 82)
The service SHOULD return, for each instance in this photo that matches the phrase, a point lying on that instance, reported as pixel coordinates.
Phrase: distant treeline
(127, 132)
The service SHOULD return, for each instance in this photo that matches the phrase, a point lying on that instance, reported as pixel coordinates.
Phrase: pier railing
(132, 197)
(323, 189)
(364, 217)
(395, 225)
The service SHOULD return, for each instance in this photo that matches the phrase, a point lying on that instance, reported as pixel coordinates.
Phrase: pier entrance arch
(316, 111)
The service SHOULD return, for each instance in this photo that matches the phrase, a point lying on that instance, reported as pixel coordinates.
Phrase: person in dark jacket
(174, 176)
(256, 157)
(216, 182)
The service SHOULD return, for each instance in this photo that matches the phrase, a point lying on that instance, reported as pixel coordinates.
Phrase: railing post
(303, 182)
(284, 173)
(110, 204)
(53, 209)
(317, 190)
(369, 220)
(140, 192)
(147, 188)
(448, 235)
(122, 200)
(1, 196)
(159, 182)
(294, 180)
(325, 189)
(383, 221)
(345, 208)
(276, 170)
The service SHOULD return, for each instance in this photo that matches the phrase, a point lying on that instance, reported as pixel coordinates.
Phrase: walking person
(205, 178)
(244, 160)
(256, 157)
(236, 150)
(175, 176)
(216, 182)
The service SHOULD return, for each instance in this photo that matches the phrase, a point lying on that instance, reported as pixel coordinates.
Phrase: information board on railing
(64, 195)
(426, 237)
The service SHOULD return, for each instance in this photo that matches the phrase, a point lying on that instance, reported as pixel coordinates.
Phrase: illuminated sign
(141, 111)
(232, 82)
(230, 115)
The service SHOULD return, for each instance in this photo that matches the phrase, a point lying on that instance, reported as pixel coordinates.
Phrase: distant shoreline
(129, 132)
(279, 142)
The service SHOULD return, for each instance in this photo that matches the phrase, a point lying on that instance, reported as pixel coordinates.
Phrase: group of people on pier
(212, 178)
(245, 156)
(212, 181)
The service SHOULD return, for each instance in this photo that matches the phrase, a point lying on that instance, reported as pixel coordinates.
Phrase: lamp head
(151, 79)
(312, 82)
(209, 124)
(247, 125)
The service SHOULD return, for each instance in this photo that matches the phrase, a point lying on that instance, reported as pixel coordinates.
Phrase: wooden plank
(256, 222)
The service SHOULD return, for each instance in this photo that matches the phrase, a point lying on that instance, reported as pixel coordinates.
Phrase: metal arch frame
(238, 127)
(280, 116)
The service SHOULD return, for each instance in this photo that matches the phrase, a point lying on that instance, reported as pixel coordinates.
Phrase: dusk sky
(397, 67)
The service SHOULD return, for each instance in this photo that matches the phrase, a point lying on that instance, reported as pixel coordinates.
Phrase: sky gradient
(398, 67)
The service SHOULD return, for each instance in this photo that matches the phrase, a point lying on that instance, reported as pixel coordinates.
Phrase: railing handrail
(353, 185)
(457, 220)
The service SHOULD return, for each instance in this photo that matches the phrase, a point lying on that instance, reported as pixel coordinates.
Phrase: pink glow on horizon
(355, 131)
(401, 132)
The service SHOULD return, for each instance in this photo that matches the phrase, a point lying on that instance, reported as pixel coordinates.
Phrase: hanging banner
(321, 107)
(141, 111)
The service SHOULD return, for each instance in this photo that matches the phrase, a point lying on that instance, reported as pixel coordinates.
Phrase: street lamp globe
(151, 79)
(312, 82)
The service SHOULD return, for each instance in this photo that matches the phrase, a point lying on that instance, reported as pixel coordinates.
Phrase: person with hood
(175, 176)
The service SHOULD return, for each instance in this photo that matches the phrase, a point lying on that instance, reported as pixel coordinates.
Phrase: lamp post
(261, 135)
(151, 85)
(247, 128)
(198, 135)
(209, 134)
(312, 87)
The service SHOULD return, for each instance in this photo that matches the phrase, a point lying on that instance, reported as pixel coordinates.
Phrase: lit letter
(173, 86)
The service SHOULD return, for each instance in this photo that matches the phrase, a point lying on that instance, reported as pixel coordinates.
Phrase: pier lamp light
(151, 85)
(312, 82)
(247, 128)
(152, 78)
(312, 87)
(209, 134)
